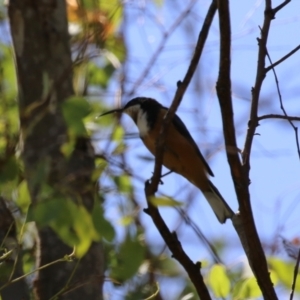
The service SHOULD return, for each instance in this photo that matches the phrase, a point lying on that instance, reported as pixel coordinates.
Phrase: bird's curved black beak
(118, 110)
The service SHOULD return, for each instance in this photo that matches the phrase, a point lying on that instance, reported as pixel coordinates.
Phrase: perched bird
(181, 154)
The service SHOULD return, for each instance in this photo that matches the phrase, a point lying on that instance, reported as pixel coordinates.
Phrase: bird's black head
(147, 106)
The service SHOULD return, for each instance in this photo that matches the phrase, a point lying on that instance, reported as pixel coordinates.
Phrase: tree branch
(281, 105)
(272, 66)
(276, 116)
(243, 223)
(260, 76)
(182, 86)
(280, 6)
(170, 239)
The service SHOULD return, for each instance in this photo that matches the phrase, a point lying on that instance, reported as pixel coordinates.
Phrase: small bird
(181, 154)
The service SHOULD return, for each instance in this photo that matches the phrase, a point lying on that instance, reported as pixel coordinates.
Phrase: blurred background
(122, 50)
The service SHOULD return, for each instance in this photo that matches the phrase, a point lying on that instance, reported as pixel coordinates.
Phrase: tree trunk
(11, 267)
(39, 30)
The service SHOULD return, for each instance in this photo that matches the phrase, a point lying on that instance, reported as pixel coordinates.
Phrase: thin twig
(160, 47)
(64, 259)
(276, 116)
(295, 276)
(170, 239)
(282, 107)
(200, 234)
(260, 76)
(282, 59)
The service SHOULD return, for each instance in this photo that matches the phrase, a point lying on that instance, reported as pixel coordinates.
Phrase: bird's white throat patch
(142, 122)
(140, 117)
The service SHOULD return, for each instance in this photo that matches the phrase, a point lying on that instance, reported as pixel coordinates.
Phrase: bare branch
(170, 239)
(243, 222)
(185, 217)
(282, 59)
(193, 269)
(280, 6)
(276, 116)
(282, 107)
(295, 276)
(160, 47)
(260, 76)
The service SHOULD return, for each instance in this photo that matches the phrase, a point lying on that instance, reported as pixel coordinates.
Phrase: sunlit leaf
(118, 133)
(114, 10)
(284, 271)
(23, 199)
(100, 75)
(123, 183)
(246, 289)
(126, 220)
(72, 222)
(84, 227)
(100, 165)
(116, 46)
(219, 281)
(68, 147)
(8, 80)
(163, 201)
(119, 149)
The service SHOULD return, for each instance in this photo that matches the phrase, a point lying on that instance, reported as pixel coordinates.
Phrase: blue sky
(275, 171)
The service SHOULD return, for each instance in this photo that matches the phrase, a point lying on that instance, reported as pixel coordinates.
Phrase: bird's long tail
(218, 204)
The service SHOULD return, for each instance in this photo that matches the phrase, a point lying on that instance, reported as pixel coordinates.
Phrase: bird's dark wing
(179, 125)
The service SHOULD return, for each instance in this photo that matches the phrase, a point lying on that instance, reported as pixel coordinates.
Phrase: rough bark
(39, 30)
(11, 266)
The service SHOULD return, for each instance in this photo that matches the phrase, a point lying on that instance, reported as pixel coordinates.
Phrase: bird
(181, 153)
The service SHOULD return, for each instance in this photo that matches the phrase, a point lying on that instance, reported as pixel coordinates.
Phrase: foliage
(137, 266)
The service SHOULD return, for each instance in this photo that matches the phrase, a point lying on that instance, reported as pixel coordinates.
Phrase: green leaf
(284, 271)
(118, 134)
(119, 149)
(219, 281)
(100, 75)
(72, 222)
(164, 201)
(84, 227)
(126, 220)
(114, 10)
(74, 110)
(246, 289)
(100, 165)
(68, 147)
(8, 79)
(123, 183)
(23, 200)
(103, 227)
(129, 258)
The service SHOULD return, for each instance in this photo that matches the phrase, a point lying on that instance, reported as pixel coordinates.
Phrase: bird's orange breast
(180, 155)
